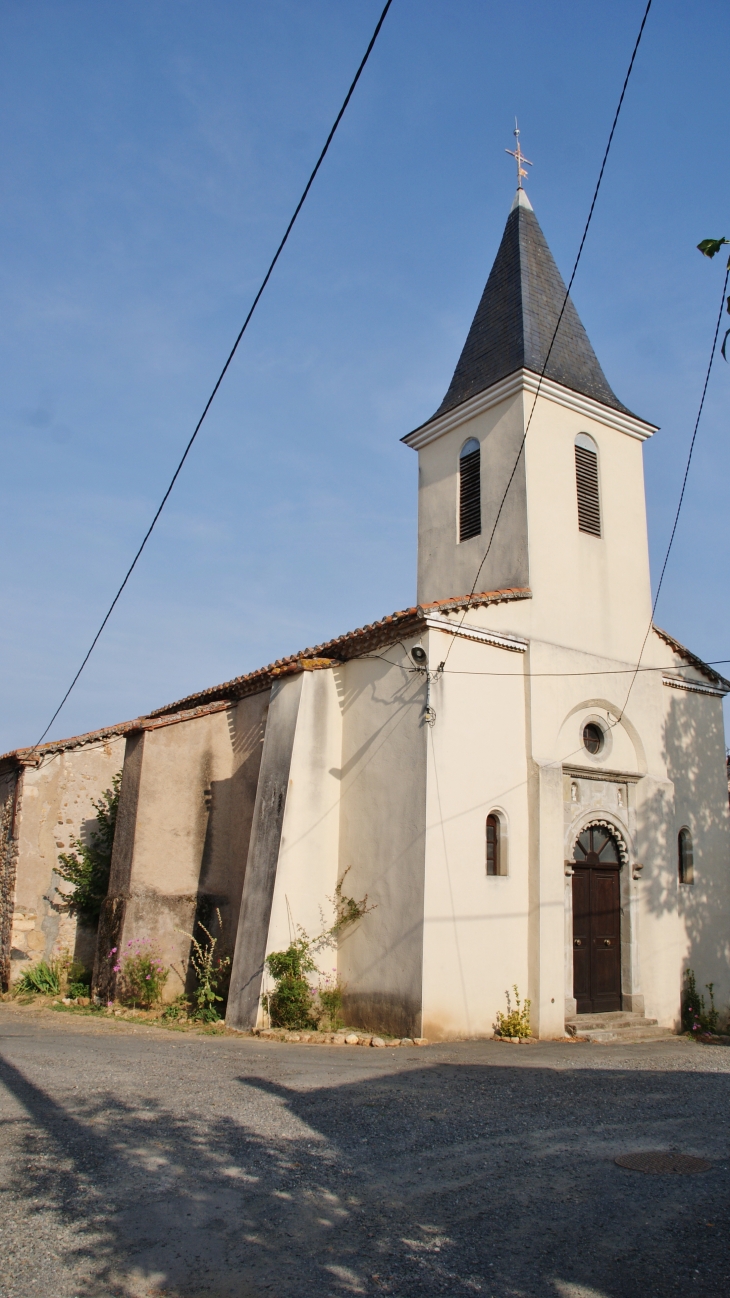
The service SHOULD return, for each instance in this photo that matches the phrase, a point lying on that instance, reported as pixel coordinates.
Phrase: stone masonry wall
(8, 859)
(56, 807)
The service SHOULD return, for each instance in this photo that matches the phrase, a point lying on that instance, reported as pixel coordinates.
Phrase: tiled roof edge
(687, 654)
(33, 756)
(351, 645)
(218, 697)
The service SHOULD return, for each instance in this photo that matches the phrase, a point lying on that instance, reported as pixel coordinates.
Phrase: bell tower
(529, 503)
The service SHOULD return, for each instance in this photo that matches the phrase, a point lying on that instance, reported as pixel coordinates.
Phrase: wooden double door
(596, 922)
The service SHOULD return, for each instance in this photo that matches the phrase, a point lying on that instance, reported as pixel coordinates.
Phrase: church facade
(520, 805)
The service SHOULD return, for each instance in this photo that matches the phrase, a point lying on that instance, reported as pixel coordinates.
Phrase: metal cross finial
(519, 157)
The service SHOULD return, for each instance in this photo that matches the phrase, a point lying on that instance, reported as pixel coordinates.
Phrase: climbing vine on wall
(87, 865)
(294, 1003)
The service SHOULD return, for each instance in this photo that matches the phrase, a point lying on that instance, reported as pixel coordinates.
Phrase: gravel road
(141, 1162)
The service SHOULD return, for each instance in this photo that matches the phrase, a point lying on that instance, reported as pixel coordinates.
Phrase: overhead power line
(600, 671)
(231, 354)
(605, 671)
(565, 303)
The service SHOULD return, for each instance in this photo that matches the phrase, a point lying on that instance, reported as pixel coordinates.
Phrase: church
(519, 804)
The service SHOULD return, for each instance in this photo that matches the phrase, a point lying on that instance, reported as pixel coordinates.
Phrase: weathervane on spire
(519, 157)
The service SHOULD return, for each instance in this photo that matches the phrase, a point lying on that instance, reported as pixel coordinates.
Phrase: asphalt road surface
(137, 1161)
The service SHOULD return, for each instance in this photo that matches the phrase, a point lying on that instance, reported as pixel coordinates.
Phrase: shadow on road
(454, 1179)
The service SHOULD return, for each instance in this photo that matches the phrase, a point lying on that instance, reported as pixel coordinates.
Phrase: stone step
(613, 1020)
(616, 1026)
(624, 1036)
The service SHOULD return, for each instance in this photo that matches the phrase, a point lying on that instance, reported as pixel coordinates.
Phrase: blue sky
(150, 156)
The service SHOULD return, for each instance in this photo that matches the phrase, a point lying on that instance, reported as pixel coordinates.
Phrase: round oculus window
(593, 738)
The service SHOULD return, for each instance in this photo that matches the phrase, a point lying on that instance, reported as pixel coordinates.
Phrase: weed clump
(141, 974)
(516, 1022)
(696, 1017)
(210, 973)
(42, 979)
(178, 1011)
(79, 980)
(329, 1004)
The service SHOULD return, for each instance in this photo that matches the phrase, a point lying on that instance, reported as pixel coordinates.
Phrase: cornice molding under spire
(527, 381)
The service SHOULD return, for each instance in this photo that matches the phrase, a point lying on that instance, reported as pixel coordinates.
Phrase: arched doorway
(596, 921)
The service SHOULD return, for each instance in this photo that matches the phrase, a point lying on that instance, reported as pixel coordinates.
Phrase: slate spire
(516, 318)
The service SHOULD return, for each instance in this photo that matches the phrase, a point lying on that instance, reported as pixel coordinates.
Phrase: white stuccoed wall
(690, 925)
(590, 593)
(446, 567)
(475, 926)
(307, 870)
(589, 613)
(382, 839)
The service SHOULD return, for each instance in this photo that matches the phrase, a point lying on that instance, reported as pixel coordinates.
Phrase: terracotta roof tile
(34, 756)
(351, 645)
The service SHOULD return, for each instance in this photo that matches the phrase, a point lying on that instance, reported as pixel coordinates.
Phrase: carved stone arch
(568, 739)
(614, 831)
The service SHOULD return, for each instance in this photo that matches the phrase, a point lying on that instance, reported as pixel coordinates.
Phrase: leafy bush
(290, 1003)
(293, 1002)
(695, 1017)
(210, 972)
(516, 1022)
(141, 973)
(87, 866)
(78, 989)
(43, 978)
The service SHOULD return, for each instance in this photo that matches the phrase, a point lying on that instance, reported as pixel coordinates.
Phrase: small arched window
(586, 481)
(494, 854)
(685, 857)
(470, 494)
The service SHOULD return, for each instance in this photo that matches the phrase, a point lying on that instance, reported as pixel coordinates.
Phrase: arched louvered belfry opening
(470, 493)
(586, 482)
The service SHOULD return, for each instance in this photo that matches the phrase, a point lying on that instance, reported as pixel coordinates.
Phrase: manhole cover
(662, 1163)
